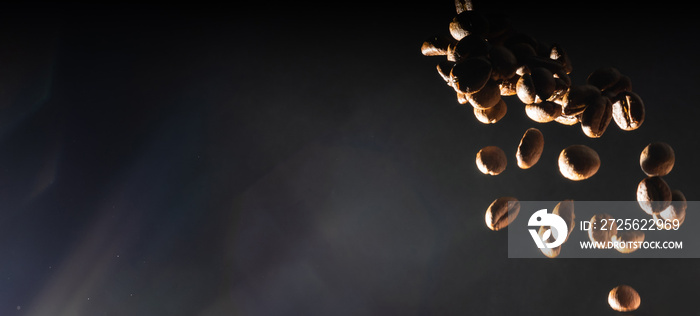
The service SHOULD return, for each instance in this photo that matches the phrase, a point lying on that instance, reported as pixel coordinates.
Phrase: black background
(306, 159)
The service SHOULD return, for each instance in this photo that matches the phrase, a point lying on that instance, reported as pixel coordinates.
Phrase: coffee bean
(488, 96)
(470, 46)
(578, 98)
(628, 110)
(491, 160)
(657, 159)
(467, 23)
(623, 298)
(470, 75)
(444, 67)
(530, 148)
(578, 162)
(675, 211)
(627, 241)
(548, 252)
(503, 63)
(502, 212)
(436, 46)
(543, 112)
(596, 117)
(604, 77)
(567, 119)
(603, 228)
(565, 210)
(493, 114)
(508, 86)
(653, 195)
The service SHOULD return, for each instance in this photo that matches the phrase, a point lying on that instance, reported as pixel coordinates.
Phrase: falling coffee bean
(653, 195)
(491, 160)
(657, 159)
(530, 148)
(578, 162)
(623, 298)
(502, 212)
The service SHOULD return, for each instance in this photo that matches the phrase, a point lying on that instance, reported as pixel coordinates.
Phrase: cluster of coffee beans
(486, 59)
(654, 195)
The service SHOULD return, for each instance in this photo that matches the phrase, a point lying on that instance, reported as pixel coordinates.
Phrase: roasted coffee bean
(565, 210)
(653, 195)
(436, 46)
(463, 5)
(628, 110)
(559, 54)
(675, 211)
(530, 148)
(628, 241)
(578, 98)
(470, 46)
(603, 228)
(525, 89)
(491, 160)
(657, 159)
(567, 119)
(444, 67)
(522, 52)
(536, 86)
(596, 117)
(508, 87)
(578, 162)
(543, 112)
(603, 78)
(467, 23)
(624, 84)
(503, 63)
(492, 114)
(502, 212)
(470, 75)
(548, 252)
(486, 97)
(623, 298)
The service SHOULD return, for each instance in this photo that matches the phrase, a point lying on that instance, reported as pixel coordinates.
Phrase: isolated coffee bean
(653, 195)
(470, 75)
(488, 96)
(596, 117)
(675, 211)
(623, 298)
(565, 210)
(628, 110)
(436, 45)
(502, 212)
(530, 148)
(603, 228)
(628, 241)
(657, 159)
(493, 114)
(578, 162)
(604, 77)
(491, 160)
(543, 112)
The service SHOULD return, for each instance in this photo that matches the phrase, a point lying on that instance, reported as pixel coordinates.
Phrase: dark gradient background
(306, 159)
